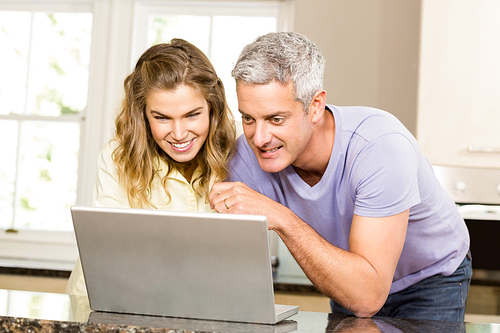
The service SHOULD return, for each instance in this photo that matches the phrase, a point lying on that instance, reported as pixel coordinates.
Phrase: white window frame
(282, 10)
(113, 53)
(57, 249)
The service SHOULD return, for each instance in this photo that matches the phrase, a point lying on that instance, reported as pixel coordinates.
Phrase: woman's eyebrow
(194, 110)
(185, 114)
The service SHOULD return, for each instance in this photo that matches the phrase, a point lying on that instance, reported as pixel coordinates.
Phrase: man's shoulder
(356, 115)
(367, 123)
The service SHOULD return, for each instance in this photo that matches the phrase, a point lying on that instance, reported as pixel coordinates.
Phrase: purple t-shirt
(376, 169)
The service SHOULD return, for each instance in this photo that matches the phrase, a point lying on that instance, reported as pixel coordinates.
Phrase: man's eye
(246, 119)
(277, 120)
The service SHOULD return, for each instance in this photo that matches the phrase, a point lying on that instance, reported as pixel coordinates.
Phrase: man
(346, 188)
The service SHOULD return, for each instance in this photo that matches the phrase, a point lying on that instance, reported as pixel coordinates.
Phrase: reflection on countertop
(22, 311)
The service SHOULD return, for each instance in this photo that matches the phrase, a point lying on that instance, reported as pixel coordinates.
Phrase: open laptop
(178, 264)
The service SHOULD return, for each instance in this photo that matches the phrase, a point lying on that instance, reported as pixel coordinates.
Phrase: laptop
(177, 264)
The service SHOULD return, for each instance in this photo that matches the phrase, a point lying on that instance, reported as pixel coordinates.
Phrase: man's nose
(261, 135)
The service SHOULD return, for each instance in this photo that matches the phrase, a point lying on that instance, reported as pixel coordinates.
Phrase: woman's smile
(183, 146)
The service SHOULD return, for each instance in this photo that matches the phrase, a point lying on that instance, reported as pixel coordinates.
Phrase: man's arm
(358, 279)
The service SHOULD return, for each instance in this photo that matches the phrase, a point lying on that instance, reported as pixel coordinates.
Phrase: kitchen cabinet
(458, 120)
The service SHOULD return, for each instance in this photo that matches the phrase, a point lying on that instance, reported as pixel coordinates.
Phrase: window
(219, 29)
(63, 63)
(45, 61)
(42, 105)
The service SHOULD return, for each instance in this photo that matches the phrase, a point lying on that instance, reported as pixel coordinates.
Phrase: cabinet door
(459, 88)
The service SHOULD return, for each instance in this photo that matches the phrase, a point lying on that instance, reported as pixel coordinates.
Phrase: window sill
(40, 250)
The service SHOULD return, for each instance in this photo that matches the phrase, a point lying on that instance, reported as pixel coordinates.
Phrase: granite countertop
(22, 311)
(306, 322)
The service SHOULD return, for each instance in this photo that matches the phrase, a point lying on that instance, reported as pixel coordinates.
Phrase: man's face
(275, 125)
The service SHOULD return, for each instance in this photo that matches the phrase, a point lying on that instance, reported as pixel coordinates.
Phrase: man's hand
(238, 198)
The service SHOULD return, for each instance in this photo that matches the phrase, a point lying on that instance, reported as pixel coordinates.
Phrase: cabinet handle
(483, 149)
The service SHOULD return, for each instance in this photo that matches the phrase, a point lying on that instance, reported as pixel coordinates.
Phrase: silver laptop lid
(191, 265)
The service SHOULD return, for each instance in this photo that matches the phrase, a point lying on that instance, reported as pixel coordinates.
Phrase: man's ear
(317, 106)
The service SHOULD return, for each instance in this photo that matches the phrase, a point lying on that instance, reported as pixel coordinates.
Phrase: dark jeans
(438, 297)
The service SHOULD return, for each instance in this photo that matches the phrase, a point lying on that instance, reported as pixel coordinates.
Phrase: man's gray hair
(285, 57)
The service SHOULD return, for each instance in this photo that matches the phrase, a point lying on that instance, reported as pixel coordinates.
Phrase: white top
(108, 192)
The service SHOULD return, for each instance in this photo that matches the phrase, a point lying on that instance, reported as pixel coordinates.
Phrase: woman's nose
(178, 130)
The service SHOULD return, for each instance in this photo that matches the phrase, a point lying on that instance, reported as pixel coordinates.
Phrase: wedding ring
(225, 204)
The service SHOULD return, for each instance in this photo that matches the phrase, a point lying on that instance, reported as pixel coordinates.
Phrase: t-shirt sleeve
(243, 165)
(384, 177)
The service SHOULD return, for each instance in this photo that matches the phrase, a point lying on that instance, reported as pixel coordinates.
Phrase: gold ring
(225, 204)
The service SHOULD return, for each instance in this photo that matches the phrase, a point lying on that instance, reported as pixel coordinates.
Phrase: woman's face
(179, 121)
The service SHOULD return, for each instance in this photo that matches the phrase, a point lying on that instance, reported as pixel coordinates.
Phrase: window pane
(47, 177)
(8, 137)
(45, 57)
(230, 34)
(195, 29)
(58, 65)
(14, 38)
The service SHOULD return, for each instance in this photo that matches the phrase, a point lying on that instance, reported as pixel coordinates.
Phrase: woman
(174, 135)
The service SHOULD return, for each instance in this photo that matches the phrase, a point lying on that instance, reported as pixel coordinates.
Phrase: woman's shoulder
(111, 145)
(106, 154)
(109, 148)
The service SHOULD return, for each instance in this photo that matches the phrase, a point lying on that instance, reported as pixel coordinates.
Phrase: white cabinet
(459, 84)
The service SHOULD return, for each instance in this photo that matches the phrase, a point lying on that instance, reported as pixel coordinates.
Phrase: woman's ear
(317, 106)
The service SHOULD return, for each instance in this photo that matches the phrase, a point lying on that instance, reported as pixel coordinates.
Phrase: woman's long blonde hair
(165, 67)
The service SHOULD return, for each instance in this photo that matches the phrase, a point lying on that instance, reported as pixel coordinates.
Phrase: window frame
(57, 249)
(143, 8)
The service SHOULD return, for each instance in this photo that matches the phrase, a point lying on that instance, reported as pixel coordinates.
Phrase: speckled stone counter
(22, 311)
